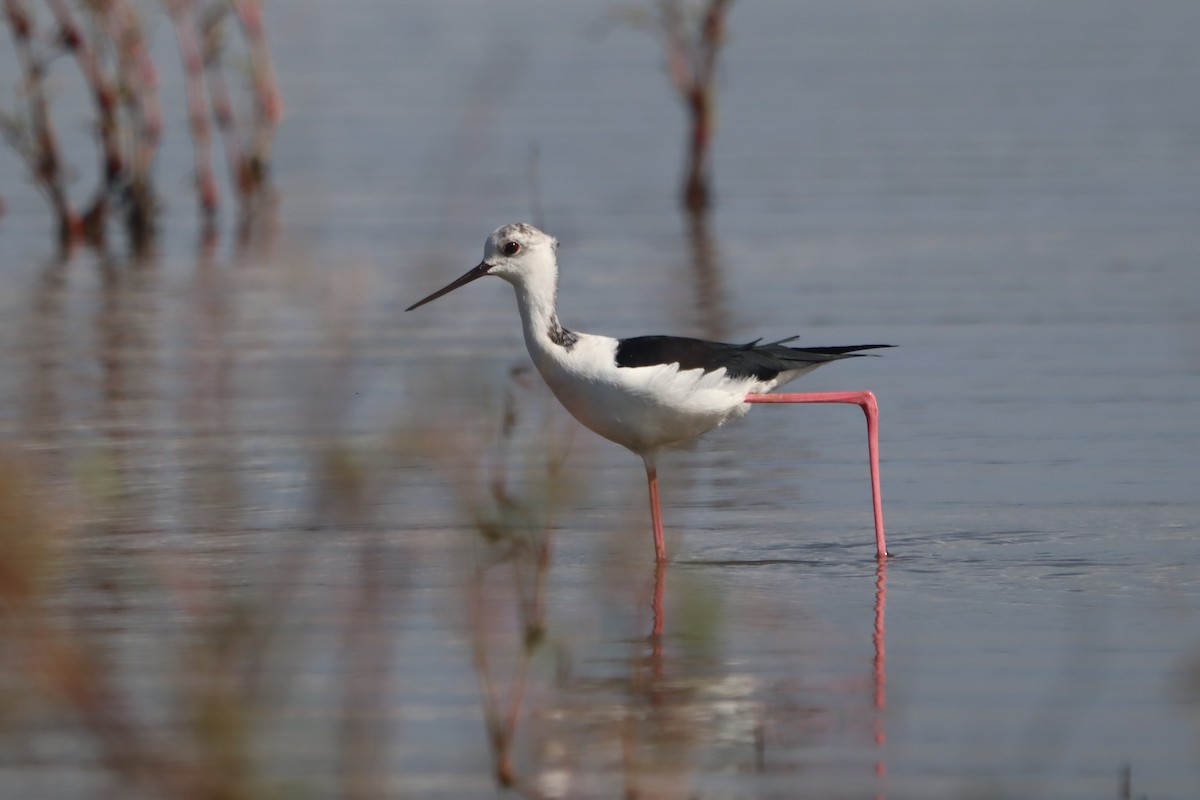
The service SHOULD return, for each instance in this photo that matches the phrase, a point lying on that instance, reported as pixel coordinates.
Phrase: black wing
(750, 360)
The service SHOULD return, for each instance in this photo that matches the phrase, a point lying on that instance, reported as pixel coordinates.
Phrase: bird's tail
(840, 350)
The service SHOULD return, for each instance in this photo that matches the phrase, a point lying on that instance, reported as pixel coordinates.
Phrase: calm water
(1009, 192)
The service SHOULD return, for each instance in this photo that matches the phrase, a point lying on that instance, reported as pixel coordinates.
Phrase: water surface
(1007, 192)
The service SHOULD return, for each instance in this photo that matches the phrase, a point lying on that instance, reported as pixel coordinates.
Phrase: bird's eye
(511, 248)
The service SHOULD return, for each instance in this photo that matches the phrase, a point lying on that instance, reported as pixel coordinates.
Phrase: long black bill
(478, 272)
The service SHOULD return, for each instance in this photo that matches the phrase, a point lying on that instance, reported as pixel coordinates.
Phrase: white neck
(536, 294)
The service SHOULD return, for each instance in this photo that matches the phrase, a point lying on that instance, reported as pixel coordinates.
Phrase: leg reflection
(655, 639)
(880, 668)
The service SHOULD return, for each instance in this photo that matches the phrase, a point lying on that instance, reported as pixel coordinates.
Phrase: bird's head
(516, 253)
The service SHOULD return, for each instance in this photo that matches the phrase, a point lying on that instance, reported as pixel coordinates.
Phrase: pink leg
(660, 548)
(865, 401)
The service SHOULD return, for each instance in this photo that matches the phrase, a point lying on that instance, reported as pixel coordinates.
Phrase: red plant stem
(711, 38)
(140, 74)
(222, 105)
(183, 16)
(103, 94)
(41, 151)
(270, 102)
(692, 63)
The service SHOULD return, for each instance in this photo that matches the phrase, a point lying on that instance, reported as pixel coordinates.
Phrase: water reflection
(680, 709)
(44, 332)
(152, 643)
(879, 665)
(213, 494)
(244, 553)
(712, 316)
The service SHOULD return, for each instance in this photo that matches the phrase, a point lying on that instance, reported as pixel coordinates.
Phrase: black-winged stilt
(650, 393)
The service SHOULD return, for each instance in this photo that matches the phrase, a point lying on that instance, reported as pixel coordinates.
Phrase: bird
(651, 393)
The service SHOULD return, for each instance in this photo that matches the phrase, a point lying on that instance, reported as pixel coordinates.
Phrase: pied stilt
(650, 393)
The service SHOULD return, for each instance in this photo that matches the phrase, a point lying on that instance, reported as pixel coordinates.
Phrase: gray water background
(1008, 191)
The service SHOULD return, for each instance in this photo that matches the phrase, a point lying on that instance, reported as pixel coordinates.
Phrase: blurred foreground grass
(183, 529)
(201, 525)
